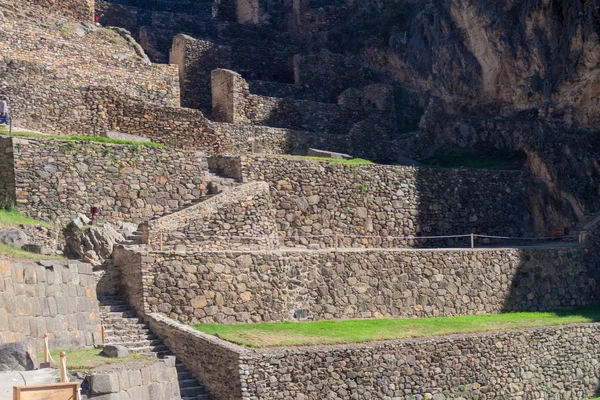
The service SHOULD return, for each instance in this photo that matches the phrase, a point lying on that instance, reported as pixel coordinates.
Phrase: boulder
(92, 244)
(13, 237)
(115, 351)
(18, 356)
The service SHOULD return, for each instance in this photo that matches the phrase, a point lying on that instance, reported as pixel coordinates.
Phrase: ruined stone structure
(296, 239)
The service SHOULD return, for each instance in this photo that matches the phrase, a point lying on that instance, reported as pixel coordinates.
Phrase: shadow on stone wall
(456, 202)
(546, 281)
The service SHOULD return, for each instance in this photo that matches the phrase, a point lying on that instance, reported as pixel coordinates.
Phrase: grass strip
(360, 331)
(96, 139)
(14, 218)
(86, 360)
(18, 254)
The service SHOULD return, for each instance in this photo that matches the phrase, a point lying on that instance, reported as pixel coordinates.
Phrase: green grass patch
(457, 157)
(360, 331)
(12, 217)
(18, 254)
(86, 360)
(96, 139)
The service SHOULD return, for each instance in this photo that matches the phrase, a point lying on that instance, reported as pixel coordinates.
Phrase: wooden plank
(54, 391)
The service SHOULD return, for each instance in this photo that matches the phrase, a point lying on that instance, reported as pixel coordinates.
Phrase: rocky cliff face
(513, 74)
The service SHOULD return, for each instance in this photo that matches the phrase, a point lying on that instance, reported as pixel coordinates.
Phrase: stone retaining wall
(232, 102)
(82, 10)
(59, 299)
(155, 381)
(557, 362)
(56, 179)
(542, 363)
(363, 202)
(213, 361)
(289, 285)
(241, 218)
(7, 173)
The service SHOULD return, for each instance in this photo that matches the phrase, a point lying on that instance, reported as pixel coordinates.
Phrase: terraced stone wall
(289, 285)
(7, 172)
(48, 72)
(232, 102)
(386, 206)
(241, 218)
(56, 179)
(541, 363)
(82, 10)
(59, 299)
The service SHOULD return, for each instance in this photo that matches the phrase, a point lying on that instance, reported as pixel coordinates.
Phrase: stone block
(104, 383)
(115, 351)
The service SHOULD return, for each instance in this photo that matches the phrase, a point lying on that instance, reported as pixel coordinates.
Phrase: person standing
(4, 116)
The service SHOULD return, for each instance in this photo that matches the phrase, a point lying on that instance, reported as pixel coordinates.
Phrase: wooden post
(472, 240)
(46, 348)
(103, 334)
(63, 367)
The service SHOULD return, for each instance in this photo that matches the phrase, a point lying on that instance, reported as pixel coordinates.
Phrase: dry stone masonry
(242, 218)
(368, 205)
(152, 380)
(56, 179)
(55, 297)
(291, 285)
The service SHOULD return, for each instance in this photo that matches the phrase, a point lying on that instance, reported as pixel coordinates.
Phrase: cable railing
(167, 241)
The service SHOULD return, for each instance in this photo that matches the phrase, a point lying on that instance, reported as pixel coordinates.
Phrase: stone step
(115, 308)
(188, 383)
(128, 337)
(192, 391)
(119, 314)
(122, 325)
(140, 343)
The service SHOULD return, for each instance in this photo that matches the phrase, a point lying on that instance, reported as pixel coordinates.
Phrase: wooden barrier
(54, 391)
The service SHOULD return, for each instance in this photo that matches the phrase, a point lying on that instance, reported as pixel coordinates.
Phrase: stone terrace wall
(60, 300)
(542, 363)
(56, 179)
(7, 173)
(233, 103)
(233, 287)
(82, 10)
(157, 380)
(188, 128)
(47, 72)
(213, 361)
(242, 218)
(321, 198)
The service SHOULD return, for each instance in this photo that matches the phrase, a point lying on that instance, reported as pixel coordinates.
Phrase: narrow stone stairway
(123, 327)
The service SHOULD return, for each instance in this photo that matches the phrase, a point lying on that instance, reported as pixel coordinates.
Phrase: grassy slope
(357, 331)
(85, 360)
(14, 218)
(97, 139)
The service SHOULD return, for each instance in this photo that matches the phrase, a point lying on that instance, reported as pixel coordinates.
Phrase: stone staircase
(123, 327)
(217, 183)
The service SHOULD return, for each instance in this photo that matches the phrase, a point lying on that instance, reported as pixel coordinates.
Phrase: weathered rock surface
(92, 244)
(18, 356)
(13, 237)
(115, 351)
